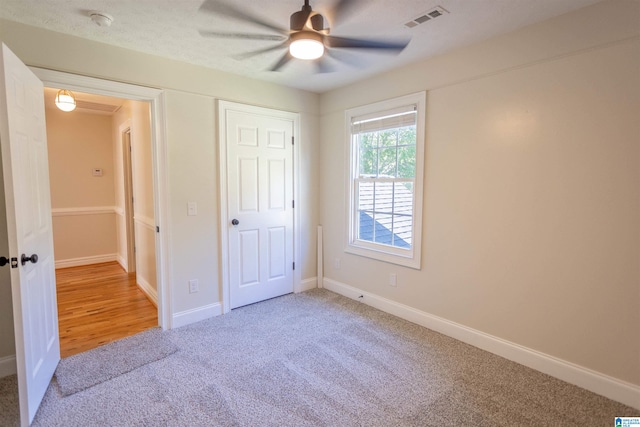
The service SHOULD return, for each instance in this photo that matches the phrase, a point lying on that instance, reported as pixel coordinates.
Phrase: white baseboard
(306, 285)
(187, 317)
(8, 366)
(147, 289)
(88, 260)
(599, 383)
(123, 262)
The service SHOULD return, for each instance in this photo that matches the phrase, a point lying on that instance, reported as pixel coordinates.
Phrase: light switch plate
(192, 209)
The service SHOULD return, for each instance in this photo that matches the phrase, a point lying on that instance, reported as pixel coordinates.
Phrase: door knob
(235, 221)
(25, 259)
(3, 261)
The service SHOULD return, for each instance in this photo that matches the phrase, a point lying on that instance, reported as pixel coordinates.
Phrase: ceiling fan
(307, 37)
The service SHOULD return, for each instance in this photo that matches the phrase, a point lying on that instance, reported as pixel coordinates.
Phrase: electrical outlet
(337, 264)
(393, 280)
(193, 286)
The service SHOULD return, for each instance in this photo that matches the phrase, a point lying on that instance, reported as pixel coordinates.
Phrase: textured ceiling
(170, 28)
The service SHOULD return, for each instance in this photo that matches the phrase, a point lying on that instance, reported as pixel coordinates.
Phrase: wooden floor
(98, 304)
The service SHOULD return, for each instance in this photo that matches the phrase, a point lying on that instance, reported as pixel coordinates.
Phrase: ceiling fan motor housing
(317, 22)
(299, 19)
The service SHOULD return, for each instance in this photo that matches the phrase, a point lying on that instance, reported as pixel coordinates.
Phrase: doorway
(101, 185)
(158, 165)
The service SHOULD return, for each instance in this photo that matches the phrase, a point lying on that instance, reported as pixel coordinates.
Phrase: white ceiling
(170, 28)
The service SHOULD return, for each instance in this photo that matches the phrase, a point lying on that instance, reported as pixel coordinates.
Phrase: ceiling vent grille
(95, 107)
(434, 13)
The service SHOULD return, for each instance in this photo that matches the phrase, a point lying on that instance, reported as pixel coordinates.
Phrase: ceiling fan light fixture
(306, 45)
(65, 100)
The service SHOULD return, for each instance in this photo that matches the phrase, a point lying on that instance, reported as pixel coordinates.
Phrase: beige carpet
(319, 359)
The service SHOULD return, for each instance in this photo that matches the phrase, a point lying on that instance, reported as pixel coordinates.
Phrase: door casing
(155, 97)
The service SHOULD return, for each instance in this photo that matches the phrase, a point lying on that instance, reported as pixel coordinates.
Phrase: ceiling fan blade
(342, 9)
(324, 66)
(346, 42)
(285, 58)
(216, 7)
(244, 36)
(345, 56)
(260, 51)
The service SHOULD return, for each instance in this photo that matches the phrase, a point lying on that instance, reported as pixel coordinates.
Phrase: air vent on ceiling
(95, 107)
(434, 13)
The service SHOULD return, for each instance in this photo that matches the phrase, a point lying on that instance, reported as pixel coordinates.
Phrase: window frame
(383, 252)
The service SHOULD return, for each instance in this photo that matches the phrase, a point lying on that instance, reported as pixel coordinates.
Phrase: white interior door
(259, 204)
(26, 184)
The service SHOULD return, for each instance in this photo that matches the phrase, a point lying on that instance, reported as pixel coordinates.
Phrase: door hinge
(293, 204)
(293, 140)
(157, 228)
(294, 265)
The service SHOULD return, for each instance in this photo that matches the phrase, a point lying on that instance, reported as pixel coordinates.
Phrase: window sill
(410, 260)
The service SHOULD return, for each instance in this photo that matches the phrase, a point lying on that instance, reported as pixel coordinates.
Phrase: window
(386, 151)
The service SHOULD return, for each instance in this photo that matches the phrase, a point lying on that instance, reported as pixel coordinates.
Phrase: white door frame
(160, 171)
(223, 106)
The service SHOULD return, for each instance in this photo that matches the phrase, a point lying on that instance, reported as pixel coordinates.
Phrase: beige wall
(121, 119)
(78, 142)
(142, 167)
(531, 211)
(191, 92)
(136, 116)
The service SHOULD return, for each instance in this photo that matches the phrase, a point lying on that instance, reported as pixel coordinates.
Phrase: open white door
(25, 173)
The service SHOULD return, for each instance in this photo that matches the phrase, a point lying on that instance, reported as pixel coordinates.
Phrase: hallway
(98, 304)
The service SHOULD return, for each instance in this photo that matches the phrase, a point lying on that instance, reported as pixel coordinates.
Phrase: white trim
(123, 262)
(306, 285)
(8, 366)
(221, 108)
(85, 260)
(406, 257)
(77, 82)
(147, 289)
(83, 210)
(145, 221)
(118, 210)
(198, 314)
(599, 383)
(156, 98)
